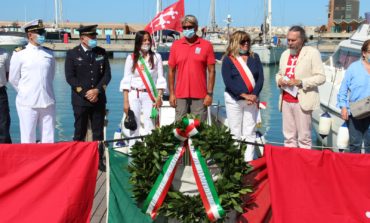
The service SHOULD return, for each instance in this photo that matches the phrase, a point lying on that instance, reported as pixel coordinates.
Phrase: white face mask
(145, 48)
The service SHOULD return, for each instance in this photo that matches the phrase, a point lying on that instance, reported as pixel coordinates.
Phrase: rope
(240, 141)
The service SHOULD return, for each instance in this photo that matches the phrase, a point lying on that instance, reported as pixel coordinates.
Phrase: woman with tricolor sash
(142, 85)
(242, 73)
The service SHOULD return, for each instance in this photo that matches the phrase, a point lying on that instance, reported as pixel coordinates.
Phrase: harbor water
(271, 117)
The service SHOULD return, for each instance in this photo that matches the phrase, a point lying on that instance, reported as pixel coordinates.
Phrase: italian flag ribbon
(202, 176)
(148, 83)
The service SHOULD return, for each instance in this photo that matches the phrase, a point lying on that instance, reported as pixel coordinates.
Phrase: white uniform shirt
(32, 72)
(4, 66)
(133, 80)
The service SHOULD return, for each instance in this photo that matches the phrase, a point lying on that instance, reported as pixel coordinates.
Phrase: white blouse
(133, 80)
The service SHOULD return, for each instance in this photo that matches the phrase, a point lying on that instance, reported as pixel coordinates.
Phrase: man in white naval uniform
(32, 71)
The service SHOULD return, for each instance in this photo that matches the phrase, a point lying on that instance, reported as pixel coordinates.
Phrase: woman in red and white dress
(243, 77)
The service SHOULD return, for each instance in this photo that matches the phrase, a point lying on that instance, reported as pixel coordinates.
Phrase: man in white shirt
(4, 105)
(32, 71)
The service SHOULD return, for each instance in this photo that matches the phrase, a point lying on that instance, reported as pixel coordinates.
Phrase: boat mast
(268, 25)
(56, 14)
(159, 9)
(212, 15)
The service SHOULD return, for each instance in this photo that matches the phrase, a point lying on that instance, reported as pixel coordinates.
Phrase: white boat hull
(269, 54)
(347, 52)
(11, 40)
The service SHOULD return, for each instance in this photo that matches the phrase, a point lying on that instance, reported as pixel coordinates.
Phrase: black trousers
(4, 117)
(96, 115)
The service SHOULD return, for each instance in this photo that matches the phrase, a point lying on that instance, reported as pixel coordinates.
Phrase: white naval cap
(36, 24)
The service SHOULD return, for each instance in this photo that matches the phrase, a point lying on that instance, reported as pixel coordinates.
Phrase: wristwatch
(210, 94)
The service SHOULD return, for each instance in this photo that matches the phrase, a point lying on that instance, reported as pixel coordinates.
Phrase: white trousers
(31, 118)
(242, 120)
(141, 105)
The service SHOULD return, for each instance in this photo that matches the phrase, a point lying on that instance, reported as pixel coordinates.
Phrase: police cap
(88, 30)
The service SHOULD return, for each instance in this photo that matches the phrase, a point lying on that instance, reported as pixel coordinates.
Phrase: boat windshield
(343, 57)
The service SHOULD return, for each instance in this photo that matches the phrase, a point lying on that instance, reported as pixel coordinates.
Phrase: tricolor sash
(148, 83)
(244, 72)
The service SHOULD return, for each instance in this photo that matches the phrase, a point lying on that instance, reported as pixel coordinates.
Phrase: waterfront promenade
(128, 46)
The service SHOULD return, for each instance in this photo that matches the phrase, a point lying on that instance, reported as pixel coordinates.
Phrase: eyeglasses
(188, 27)
(244, 42)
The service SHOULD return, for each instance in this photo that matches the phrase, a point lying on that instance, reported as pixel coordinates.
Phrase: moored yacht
(11, 40)
(347, 52)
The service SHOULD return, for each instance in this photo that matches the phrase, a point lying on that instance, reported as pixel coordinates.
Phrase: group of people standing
(191, 79)
(31, 72)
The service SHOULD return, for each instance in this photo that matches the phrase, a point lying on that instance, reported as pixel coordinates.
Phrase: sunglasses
(188, 27)
(244, 42)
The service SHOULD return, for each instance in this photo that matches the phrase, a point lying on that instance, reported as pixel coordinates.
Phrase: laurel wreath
(216, 145)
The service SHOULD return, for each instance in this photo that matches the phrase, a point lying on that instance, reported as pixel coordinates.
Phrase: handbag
(130, 122)
(360, 109)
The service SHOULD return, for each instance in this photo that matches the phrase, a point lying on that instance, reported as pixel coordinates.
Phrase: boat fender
(325, 124)
(343, 136)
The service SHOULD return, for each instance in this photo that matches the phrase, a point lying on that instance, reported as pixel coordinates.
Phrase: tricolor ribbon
(202, 176)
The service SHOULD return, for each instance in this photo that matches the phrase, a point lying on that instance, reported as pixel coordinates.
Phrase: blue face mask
(40, 39)
(188, 33)
(243, 51)
(92, 43)
(368, 57)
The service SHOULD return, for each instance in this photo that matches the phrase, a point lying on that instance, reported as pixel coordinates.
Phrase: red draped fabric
(309, 186)
(47, 182)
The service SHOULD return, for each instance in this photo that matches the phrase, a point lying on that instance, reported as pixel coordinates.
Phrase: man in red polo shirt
(190, 59)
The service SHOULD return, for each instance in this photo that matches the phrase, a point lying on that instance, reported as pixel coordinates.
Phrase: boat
(11, 40)
(268, 50)
(212, 32)
(335, 67)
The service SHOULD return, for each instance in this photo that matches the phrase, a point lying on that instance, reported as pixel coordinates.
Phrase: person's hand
(158, 102)
(250, 98)
(294, 82)
(344, 113)
(282, 82)
(207, 100)
(92, 95)
(126, 107)
(173, 100)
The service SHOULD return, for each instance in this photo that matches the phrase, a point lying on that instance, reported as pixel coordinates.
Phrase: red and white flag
(169, 18)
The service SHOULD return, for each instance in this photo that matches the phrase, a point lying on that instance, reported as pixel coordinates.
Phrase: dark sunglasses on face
(244, 42)
(188, 27)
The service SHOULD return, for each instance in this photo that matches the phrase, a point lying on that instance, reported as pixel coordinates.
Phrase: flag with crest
(169, 18)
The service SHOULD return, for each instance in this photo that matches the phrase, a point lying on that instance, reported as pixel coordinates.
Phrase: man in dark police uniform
(88, 72)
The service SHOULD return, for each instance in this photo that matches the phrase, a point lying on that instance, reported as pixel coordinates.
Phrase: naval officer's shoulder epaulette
(19, 48)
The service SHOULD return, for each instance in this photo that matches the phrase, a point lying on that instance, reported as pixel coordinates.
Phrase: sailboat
(56, 33)
(213, 35)
(268, 51)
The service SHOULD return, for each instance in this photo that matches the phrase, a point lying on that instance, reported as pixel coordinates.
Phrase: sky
(243, 12)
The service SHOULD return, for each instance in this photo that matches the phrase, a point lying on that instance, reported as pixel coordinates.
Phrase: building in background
(343, 15)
